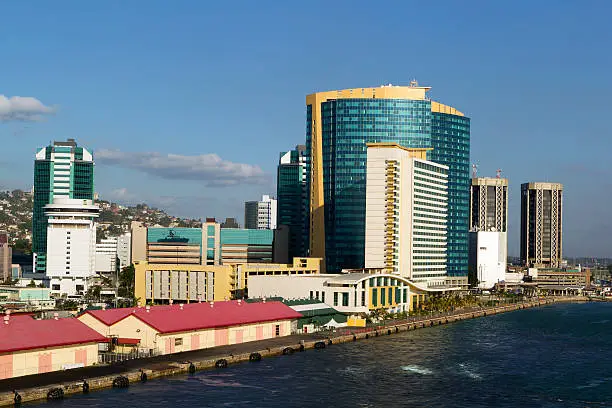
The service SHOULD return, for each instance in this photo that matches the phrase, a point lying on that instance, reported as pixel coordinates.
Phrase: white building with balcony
(406, 212)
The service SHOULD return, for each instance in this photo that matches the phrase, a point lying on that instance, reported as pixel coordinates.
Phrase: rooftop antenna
(499, 173)
(414, 83)
(474, 170)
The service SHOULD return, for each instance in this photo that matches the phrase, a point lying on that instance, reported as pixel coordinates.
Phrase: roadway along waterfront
(36, 387)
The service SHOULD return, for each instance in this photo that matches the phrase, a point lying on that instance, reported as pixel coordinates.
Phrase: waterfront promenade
(36, 387)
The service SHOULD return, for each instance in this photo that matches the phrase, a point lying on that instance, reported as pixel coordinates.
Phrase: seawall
(101, 377)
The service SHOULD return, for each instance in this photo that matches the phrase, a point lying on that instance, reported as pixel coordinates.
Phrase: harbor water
(554, 356)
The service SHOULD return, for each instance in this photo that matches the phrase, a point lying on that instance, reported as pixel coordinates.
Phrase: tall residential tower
(339, 125)
(541, 224)
(406, 214)
(488, 230)
(65, 170)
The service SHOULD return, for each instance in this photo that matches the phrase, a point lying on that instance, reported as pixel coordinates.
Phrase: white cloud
(207, 168)
(22, 108)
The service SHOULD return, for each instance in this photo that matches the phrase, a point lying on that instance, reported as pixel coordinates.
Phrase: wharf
(37, 387)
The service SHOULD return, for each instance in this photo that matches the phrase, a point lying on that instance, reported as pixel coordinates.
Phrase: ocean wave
(466, 370)
(417, 370)
(215, 382)
(601, 322)
(351, 370)
(594, 383)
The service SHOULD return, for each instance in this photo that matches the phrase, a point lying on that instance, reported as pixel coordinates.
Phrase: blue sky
(138, 81)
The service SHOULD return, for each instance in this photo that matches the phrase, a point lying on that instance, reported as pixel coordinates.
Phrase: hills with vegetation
(16, 218)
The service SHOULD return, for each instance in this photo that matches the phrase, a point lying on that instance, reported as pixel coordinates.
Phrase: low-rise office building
(348, 293)
(29, 346)
(162, 283)
(185, 327)
(560, 281)
(26, 298)
(208, 245)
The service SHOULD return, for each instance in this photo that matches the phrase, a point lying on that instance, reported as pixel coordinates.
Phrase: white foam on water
(601, 322)
(417, 370)
(351, 370)
(466, 370)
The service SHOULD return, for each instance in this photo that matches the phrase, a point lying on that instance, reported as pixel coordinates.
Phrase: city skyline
(151, 128)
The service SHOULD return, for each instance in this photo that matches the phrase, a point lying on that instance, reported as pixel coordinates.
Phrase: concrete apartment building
(106, 256)
(406, 214)
(542, 224)
(260, 214)
(71, 244)
(488, 230)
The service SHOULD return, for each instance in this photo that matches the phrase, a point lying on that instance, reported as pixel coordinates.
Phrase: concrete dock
(76, 381)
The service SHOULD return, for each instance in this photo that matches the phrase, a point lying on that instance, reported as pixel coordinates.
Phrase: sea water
(553, 356)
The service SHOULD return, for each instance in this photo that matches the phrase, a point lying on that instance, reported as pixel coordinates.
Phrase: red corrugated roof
(26, 333)
(197, 316)
(127, 341)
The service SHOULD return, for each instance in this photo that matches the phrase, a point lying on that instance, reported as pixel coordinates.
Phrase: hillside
(16, 218)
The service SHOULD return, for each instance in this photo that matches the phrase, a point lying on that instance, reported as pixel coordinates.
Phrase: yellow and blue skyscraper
(339, 125)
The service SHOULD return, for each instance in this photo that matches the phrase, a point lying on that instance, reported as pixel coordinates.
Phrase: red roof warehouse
(30, 346)
(175, 328)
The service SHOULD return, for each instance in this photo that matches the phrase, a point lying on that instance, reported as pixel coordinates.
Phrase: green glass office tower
(339, 124)
(291, 198)
(62, 169)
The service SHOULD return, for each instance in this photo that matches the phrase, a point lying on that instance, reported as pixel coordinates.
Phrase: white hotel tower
(406, 211)
(71, 244)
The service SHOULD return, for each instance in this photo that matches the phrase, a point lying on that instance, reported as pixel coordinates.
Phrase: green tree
(32, 284)
(126, 282)
(93, 293)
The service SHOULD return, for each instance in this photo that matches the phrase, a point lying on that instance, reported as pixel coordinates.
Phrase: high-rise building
(406, 214)
(106, 256)
(124, 250)
(339, 124)
(488, 230)
(230, 223)
(65, 170)
(260, 214)
(291, 196)
(541, 224)
(71, 244)
(6, 257)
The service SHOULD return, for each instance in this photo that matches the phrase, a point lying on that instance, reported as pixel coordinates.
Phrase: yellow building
(176, 328)
(160, 283)
(29, 346)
